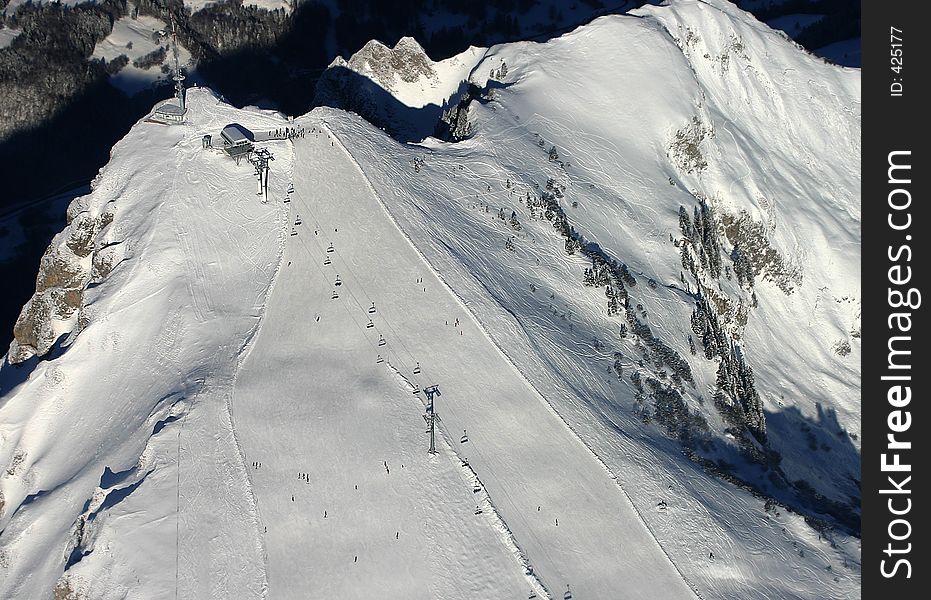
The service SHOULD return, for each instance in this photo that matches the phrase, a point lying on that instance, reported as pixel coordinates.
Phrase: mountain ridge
(510, 217)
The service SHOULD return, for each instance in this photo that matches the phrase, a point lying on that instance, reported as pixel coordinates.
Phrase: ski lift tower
(259, 159)
(431, 416)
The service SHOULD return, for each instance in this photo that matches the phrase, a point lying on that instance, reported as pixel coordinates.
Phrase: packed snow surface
(235, 409)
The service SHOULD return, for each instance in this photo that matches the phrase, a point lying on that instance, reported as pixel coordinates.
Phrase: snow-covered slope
(168, 289)
(217, 418)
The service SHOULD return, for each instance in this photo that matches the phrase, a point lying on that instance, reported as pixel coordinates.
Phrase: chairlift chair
(327, 260)
(338, 282)
(380, 359)
(369, 325)
(330, 248)
(335, 295)
(417, 369)
(297, 220)
(293, 231)
(372, 309)
(382, 341)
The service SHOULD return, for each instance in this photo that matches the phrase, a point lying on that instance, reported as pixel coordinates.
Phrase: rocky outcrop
(407, 62)
(402, 91)
(74, 259)
(364, 82)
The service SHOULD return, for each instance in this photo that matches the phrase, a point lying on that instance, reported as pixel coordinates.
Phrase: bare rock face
(371, 83)
(67, 266)
(407, 61)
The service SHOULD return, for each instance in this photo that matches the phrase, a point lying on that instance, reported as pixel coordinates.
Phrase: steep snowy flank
(629, 267)
(148, 298)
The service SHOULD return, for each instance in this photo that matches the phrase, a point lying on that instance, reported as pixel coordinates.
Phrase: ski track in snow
(224, 358)
(506, 358)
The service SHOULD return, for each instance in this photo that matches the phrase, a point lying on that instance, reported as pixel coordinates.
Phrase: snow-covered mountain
(630, 267)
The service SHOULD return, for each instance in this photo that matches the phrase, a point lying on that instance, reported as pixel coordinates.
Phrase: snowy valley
(621, 267)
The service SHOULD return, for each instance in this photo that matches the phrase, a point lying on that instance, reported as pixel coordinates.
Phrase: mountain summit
(626, 280)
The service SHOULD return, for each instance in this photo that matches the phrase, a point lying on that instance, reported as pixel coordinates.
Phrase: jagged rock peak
(407, 61)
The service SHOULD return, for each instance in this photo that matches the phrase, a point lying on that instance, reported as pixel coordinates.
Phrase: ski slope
(211, 422)
(623, 185)
(312, 398)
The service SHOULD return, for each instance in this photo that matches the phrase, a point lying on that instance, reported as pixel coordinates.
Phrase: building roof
(236, 134)
(170, 108)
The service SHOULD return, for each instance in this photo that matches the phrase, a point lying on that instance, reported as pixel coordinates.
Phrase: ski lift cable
(394, 332)
(406, 368)
(444, 432)
(365, 295)
(361, 328)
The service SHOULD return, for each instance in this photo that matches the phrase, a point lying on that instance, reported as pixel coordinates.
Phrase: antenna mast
(179, 76)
